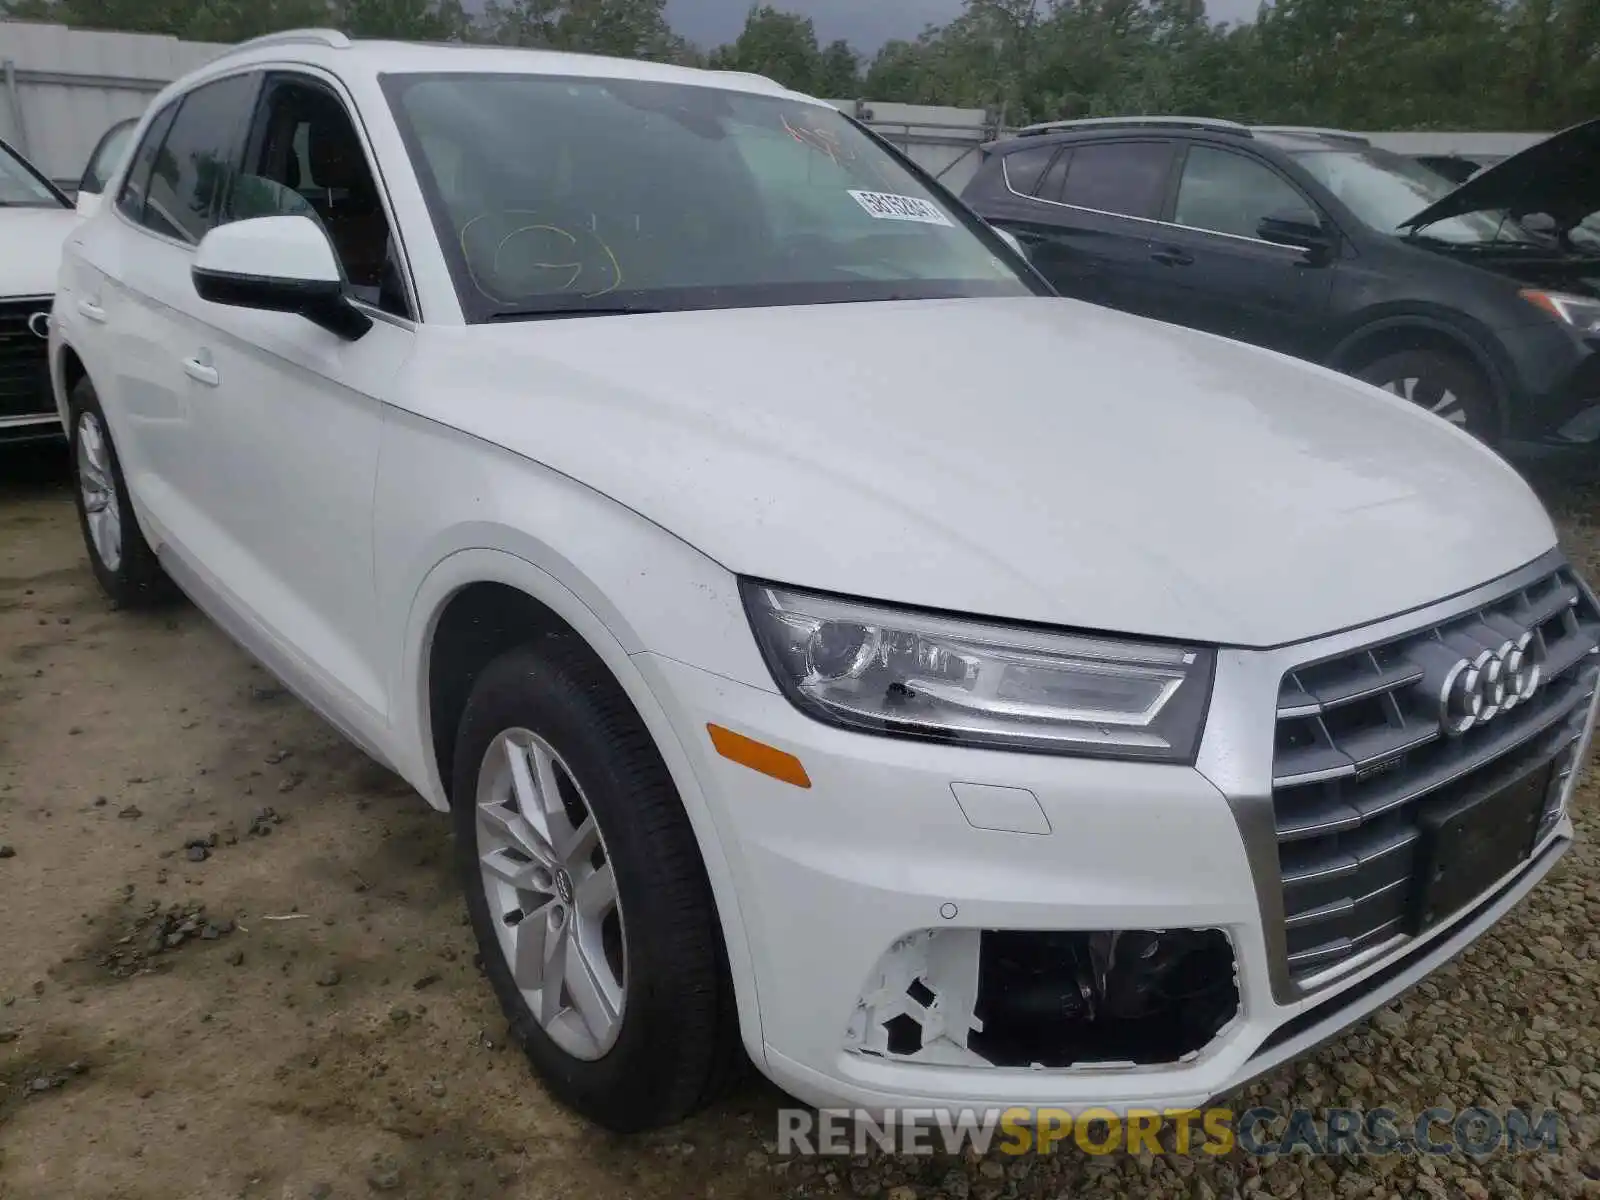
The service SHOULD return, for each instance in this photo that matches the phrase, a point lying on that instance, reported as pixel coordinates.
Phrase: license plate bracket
(1472, 840)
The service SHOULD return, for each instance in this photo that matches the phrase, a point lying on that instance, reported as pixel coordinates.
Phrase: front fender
(413, 727)
(1477, 342)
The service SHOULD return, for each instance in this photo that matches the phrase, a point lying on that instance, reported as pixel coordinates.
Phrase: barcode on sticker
(886, 206)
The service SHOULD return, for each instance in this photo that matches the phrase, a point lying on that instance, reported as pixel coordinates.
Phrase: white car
(35, 219)
(826, 642)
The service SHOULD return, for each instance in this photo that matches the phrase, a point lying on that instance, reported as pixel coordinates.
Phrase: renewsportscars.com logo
(1212, 1132)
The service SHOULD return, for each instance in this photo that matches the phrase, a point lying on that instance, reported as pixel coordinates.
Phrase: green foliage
(1363, 64)
(779, 45)
(629, 28)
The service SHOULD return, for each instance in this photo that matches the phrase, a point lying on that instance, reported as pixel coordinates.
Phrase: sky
(866, 24)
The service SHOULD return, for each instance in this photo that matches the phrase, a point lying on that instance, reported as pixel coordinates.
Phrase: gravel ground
(235, 965)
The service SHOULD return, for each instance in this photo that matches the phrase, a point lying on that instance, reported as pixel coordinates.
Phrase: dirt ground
(235, 962)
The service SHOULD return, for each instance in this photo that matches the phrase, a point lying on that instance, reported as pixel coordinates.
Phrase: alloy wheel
(552, 894)
(98, 485)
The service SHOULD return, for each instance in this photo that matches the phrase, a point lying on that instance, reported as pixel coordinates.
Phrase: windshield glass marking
(886, 206)
(551, 191)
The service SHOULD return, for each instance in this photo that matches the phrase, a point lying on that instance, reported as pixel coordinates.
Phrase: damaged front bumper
(938, 927)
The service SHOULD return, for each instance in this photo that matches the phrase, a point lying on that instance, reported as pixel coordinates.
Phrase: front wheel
(586, 891)
(1443, 384)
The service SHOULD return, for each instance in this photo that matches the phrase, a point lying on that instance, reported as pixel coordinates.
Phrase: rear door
(1221, 276)
(137, 288)
(1088, 224)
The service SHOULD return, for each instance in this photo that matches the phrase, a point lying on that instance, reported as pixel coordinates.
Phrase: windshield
(1383, 190)
(19, 186)
(554, 195)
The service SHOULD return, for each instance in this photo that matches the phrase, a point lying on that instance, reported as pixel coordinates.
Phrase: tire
(118, 554)
(658, 958)
(1443, 384)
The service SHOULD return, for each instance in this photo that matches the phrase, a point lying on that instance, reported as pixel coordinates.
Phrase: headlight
(891, 670)
(1582, 313)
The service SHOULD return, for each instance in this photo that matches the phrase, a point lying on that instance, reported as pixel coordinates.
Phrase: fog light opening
(1136, 996)
(1014, 998)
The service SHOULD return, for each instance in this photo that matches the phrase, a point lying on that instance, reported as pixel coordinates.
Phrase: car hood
(1559, 176)
(1038, 459)
(30, 248)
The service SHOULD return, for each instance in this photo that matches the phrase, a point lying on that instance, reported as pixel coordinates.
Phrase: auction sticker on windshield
(886, 206)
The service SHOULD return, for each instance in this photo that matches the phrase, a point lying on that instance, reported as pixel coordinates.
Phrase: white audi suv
(830, 646)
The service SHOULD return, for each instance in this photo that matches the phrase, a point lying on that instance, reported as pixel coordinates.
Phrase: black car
(1479, 301)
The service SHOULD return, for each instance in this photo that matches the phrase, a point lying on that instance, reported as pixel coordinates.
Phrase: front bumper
(878, 851)
(1553, 406)
(27, 405)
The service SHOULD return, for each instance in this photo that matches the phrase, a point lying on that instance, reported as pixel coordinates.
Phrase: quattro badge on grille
(1474, 674)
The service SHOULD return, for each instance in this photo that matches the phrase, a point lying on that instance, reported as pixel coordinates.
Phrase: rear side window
(1127, 178)
(131, 198)
(1024, 168)
(1055, 178)
(199, 158)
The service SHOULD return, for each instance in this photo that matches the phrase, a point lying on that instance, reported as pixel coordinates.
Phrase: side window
(107, 157)
(1128, 178)
(131, 198)
(1056, 177)
(1229, 193)
(1024, 168)
(305, 158)
(197, 161)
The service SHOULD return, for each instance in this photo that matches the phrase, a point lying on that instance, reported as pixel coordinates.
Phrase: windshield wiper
(557, 311)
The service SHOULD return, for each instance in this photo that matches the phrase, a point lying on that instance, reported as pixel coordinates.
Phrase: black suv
(1479, 301)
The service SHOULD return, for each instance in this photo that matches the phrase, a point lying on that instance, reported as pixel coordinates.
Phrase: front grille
(24, 361)
(1363, 748)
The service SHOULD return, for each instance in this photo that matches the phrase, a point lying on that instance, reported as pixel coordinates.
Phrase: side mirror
(87, 203)
(1295, 228)
(278, 264)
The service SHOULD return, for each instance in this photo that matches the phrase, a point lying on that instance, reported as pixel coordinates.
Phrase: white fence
(65, 87)
(62, 88)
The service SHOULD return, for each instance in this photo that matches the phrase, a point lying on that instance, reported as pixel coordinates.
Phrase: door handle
(201, 372)
(92, 310)
(1172, 256)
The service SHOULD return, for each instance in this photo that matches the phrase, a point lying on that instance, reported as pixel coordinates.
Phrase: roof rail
(1215, 123)
(292, 37)
(1342, 135)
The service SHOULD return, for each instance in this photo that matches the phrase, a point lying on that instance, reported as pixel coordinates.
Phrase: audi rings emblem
(1473, 675)
(39, 325)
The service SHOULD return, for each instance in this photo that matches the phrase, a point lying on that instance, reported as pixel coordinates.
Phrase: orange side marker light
(758, 756)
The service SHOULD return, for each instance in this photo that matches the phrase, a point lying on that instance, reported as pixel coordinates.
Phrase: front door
(290, 415)
(1222, 276)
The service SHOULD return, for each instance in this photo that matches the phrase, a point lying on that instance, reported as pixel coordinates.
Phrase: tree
(1361, 64)
(779, 45)
(838, 74)
(624, 27)
(628, 28)
(414, 20)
